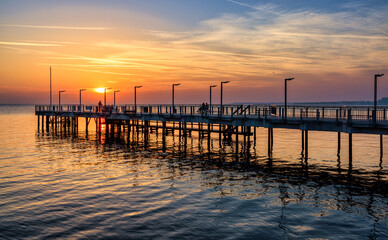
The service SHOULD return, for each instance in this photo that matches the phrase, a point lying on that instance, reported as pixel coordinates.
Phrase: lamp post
(105, 95)
(114, 97)
(375, 98)
(135, 95)
(60, 97)
(222, 108)
(81, 90)
(210, 102)
(285, 97)
(51, 95)
(173, 96)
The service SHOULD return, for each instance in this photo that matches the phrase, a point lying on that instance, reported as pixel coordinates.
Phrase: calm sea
(82, 187)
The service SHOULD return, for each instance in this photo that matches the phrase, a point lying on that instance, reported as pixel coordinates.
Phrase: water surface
(54, 185)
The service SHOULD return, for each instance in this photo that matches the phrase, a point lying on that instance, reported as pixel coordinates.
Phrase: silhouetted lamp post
(105, 95)
(222, 83)
(210, 103)
(51, 95)
(173, 96)
(114, 97)
(80, 91)
(60, 97)
(375, 98)
(285, 96)
(135, 95)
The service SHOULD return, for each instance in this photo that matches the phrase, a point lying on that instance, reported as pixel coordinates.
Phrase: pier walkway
(357, 119)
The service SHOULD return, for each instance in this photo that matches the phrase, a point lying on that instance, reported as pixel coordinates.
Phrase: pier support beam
(270, 142)
(381, 147)
(306, 144)
(350, 147)
(47, 123)
(339, 145)
(164, 136)
(42, 123)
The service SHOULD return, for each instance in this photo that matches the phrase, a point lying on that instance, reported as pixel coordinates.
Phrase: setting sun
(100, 90)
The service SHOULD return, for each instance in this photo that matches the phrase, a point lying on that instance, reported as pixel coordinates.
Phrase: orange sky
(332, 55)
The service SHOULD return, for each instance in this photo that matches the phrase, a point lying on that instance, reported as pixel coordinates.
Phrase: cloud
(254, 47)
(262, 9)
(54, 27)
(286, 42)
(31, 44)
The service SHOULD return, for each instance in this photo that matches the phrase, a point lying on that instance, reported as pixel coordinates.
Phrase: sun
(100, 90)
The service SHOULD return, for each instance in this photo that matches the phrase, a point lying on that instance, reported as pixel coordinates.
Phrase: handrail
(354, 114)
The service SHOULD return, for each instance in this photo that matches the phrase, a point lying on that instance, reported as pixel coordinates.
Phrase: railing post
(323, 112)
(374, 116)
(301, 114)
(259, 113)
(336, 115)
(318, 114)
(349, 116)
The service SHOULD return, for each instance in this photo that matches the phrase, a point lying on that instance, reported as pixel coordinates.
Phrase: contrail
(253, 7)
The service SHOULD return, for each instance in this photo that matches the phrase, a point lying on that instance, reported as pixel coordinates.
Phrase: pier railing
(356, 114)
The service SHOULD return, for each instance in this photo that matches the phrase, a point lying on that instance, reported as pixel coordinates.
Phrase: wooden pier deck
(227, 121)
(316, 118)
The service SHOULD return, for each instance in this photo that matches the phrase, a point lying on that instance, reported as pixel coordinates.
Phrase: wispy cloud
(55, 27)
(262, 9)
(284, 41)
(30, 44)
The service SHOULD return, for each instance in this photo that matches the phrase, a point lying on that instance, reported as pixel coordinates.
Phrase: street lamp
(114, 97)
(210, 103)
(105, 95)
(222, 83)
(60, 97)
(375, 100)
(173, 87)
(285, 97)
(81, 90)
(135, 95)
(51, 95)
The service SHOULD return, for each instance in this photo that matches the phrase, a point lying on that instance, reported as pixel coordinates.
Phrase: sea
(90, 186)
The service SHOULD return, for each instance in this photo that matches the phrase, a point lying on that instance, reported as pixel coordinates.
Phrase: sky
(332, 48)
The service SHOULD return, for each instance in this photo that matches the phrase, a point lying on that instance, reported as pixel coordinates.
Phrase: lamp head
(213, 86)
(379, 75)
(289, 79)
(62, 91)
(138, 86)
(117, 91)
(225, 82)
(176, 84)
(83, 89)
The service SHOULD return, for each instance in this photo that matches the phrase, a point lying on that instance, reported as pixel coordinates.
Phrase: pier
(229, 121)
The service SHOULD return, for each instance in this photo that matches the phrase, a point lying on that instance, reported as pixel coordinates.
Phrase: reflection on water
(56, 185)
